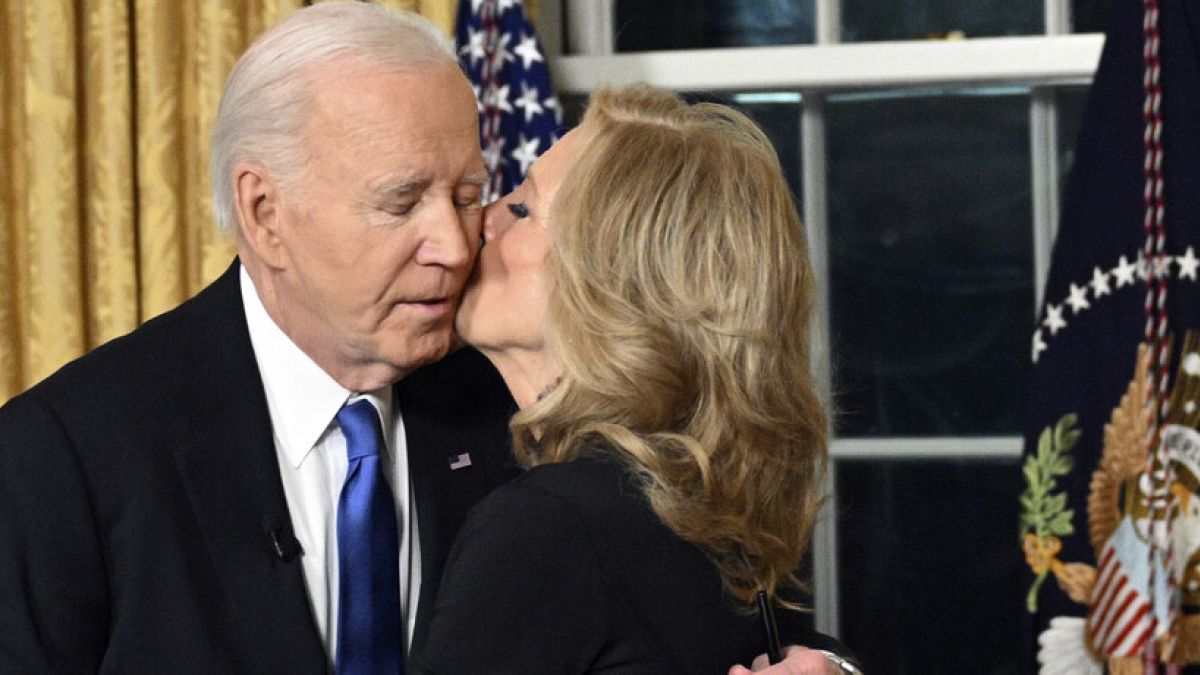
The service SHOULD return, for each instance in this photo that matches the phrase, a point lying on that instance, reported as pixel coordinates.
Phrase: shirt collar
(302, 398)
(382, 400)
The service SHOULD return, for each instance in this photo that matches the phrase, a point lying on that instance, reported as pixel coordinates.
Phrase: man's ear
(260, 219)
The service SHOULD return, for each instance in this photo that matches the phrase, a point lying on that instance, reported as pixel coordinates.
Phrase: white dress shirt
(303, 400)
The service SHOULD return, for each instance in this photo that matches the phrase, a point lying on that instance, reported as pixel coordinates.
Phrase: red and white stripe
(1119, 622)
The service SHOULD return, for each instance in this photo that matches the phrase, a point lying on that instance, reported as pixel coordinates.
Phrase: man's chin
(422, 350)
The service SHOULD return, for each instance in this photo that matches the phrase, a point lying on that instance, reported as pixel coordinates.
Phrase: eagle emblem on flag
(1128, 595)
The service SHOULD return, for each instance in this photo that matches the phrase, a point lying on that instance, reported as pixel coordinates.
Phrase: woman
(646, 296)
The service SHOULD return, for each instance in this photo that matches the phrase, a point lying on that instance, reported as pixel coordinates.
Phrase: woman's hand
(796, 661)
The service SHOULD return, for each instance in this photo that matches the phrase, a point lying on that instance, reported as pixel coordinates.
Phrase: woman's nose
(496, 220)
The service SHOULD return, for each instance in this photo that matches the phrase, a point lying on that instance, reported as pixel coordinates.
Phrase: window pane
(698, 24)
(866, 20)
(931, 293)
(1090, 16)
(929, 569)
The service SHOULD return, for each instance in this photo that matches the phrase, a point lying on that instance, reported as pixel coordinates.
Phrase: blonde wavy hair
(680, 296)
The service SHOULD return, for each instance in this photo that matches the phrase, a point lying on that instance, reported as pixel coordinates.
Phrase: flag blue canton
(519, 116)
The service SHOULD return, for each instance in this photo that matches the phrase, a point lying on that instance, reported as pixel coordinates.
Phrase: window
(930, 260)
(916, 19)
(929, 581)
(698, 24)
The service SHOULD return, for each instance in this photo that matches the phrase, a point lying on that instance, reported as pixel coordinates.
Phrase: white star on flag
(1077, 298)
(498, 98)
(1099, 283)
(1188, 263)
(528, 51)
(474, 47)
(1054, 319)
(1124, 272)
(529, 101)
(526, 152)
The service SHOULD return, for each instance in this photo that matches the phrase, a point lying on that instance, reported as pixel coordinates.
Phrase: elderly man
(170, 502)
(233, 486)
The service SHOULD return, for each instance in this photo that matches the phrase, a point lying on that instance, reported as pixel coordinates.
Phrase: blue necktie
(370, 638)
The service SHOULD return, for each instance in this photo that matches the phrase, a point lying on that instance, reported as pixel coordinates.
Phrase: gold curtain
(106, 107)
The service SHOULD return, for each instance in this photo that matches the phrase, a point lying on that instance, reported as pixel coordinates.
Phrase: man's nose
(448, 242)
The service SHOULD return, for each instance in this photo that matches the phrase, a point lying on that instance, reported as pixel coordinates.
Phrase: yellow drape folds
(106, 107)
(441, 12)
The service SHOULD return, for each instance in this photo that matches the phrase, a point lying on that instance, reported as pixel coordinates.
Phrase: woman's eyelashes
(518, 209)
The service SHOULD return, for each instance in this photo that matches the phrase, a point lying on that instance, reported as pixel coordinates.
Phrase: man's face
(382, 227)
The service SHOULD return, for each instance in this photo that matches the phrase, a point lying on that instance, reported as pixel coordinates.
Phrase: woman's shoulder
(599, 499)
(599, 464)
(561, 496)
(598, 480)
(584, 530)
(594, 503)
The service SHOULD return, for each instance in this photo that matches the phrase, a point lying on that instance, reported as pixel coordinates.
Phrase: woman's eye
(519, 209)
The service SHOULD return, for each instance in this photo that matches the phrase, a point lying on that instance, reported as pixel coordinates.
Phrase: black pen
(774, 652)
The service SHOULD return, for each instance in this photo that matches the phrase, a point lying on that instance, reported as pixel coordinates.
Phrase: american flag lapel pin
(460, 461)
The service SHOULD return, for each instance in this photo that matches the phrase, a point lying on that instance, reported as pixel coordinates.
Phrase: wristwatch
(844, 665)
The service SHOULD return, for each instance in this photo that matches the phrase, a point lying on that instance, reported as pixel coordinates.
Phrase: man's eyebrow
(401, 187)
(479, 179)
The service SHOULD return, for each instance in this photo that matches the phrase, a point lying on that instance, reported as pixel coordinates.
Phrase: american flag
(519, 116)
(1129, 233)
(1123, 617)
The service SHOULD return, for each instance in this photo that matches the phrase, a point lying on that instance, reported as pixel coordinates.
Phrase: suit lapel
(231, 476)
(456, 407)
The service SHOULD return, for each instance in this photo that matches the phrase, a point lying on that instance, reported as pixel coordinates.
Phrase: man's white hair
(269, 94)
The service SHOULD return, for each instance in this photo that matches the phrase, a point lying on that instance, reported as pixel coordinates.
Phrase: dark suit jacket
(138, 485)
(568, 570)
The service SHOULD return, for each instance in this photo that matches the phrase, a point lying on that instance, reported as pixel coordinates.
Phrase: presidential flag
(519, 116)
(1110, 522)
